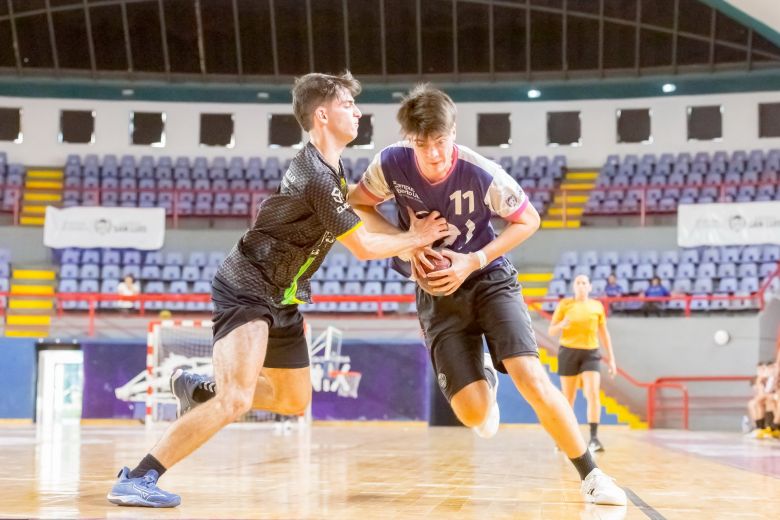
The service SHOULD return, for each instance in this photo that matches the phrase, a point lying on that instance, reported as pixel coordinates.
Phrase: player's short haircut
(315, 89)
(426, 112)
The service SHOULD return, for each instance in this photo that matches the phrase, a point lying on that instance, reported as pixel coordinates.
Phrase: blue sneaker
(141, 491)
(183, 385)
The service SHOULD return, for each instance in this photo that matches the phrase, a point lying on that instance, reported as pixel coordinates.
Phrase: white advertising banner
(728, 224)
(134, 228)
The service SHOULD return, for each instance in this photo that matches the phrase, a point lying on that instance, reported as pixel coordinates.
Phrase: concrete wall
(649, 348)
(40, 126)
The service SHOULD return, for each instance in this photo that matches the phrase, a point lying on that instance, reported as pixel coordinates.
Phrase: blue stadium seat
(666, 270)
(770, 253)
(153, 258)
(569, 258)
(89, 272)
(727, 285)
(706, 270)
(602, 271)
(171, 273)
(610, 257)
(150, 272)
(644, 271)
(109, 271)
(751, 254)
(133, 270)
(682, 285)
(216, 258)
(727, 270)
(67, 271)
(702, 286)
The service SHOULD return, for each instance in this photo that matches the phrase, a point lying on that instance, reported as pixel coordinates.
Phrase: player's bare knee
(471, 405)
(295, 402)
(472, 417)
(234, 403)
(536, 387)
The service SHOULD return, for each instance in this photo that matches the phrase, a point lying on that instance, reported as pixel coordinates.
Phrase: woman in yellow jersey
(582, 323)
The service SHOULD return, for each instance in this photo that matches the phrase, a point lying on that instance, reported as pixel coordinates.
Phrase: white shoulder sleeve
(504, 196)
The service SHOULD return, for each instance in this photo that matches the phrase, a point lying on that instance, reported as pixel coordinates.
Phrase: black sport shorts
(488, 305)
(574, 361)
(287, 347)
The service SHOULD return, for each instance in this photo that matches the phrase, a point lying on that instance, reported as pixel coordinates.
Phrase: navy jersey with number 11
(473, 190)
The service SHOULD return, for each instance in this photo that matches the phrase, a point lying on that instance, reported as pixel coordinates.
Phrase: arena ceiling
(269, 41)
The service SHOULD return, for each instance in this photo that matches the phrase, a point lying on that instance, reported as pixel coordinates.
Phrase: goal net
(187, 344)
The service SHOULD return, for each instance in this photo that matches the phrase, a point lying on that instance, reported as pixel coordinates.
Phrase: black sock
(145, 465)
(760, 424)
(594, 427)
(491, 378)
(204, 391)
(584, 464)
(769, 418)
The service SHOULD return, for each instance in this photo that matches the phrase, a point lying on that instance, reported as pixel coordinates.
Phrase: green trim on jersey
(290, 292)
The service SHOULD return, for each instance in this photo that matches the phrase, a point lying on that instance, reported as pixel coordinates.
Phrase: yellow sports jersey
(584, 320)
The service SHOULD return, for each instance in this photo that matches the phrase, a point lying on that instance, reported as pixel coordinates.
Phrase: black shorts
(287, 347)
(574, 361)
(490, 306)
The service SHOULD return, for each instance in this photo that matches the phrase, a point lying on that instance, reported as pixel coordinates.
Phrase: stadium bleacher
(11, 182)
(223, 186)
(719, 271)
(100, 271)
(667, 181)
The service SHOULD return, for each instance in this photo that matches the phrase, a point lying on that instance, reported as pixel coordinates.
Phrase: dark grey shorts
(486, 308)
(575, 361)
(287, 347)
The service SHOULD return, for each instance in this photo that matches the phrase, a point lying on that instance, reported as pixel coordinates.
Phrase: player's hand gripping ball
(438, 263)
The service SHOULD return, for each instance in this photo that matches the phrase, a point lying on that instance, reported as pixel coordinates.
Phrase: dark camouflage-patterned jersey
(294, 230)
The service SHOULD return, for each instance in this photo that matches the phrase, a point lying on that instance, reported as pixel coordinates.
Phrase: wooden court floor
(390, 471)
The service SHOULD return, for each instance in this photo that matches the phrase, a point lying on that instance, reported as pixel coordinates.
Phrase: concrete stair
(31, 302)
(577, 185)
(41, 188)
(535, 282)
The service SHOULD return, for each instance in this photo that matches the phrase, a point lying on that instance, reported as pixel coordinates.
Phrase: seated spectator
(763, 407)
(655, 290)
(613, 290)
(127, 287)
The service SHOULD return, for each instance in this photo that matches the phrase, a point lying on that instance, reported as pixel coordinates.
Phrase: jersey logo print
(338, 196)
(406, 191)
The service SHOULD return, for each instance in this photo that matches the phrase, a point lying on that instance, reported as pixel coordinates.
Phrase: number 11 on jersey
(458, 197)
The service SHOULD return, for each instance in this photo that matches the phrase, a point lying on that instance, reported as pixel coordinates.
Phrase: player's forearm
(386, 245)
(374, 221)
(606, 342)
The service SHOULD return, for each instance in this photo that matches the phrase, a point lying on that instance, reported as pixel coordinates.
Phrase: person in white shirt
(127, 287)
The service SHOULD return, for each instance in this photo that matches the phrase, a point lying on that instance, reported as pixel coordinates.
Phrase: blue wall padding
(18, 367)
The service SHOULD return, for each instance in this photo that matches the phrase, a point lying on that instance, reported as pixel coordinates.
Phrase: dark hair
(426, 111)
(312, 90)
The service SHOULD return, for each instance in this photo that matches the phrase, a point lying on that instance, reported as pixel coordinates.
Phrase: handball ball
(438, 265)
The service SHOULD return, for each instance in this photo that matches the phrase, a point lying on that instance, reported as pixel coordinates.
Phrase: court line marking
(643, 506)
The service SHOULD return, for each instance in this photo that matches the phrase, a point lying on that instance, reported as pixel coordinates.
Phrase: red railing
(174, 212)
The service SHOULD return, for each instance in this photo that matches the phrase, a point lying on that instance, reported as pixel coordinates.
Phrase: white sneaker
(600, 488)
(489, 428)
